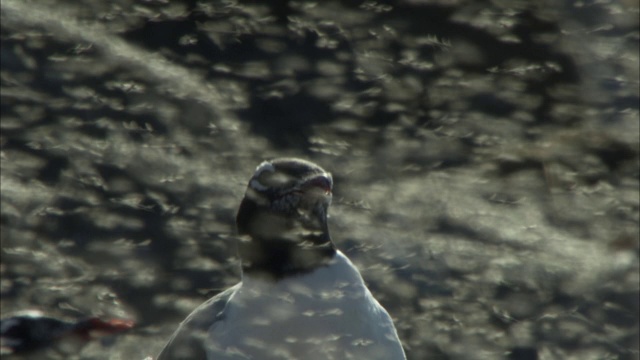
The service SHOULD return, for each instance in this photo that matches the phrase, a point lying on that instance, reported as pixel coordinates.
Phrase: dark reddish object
(321, 182)
(24, 333)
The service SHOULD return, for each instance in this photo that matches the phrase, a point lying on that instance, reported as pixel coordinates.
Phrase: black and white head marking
(293, 191)
(282, 219)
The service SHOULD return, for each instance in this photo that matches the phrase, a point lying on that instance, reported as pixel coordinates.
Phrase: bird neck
(278, 258)
(276, 245)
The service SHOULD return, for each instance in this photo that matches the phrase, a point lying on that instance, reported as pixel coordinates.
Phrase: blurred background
(484, 153)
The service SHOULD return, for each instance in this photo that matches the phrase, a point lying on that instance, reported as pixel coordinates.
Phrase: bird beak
(322, 182)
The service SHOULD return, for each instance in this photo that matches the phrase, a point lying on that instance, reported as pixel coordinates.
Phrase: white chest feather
(327, 314)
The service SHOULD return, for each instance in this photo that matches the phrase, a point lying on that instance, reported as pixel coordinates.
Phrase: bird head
(286, 199)
(282, 219)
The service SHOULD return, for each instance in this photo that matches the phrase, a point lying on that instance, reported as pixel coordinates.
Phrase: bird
(30, 330)
(299, 296)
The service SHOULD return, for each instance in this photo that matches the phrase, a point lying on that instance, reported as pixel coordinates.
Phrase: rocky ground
(485, 158)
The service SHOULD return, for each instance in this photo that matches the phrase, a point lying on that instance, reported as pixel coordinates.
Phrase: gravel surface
(484, 153)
